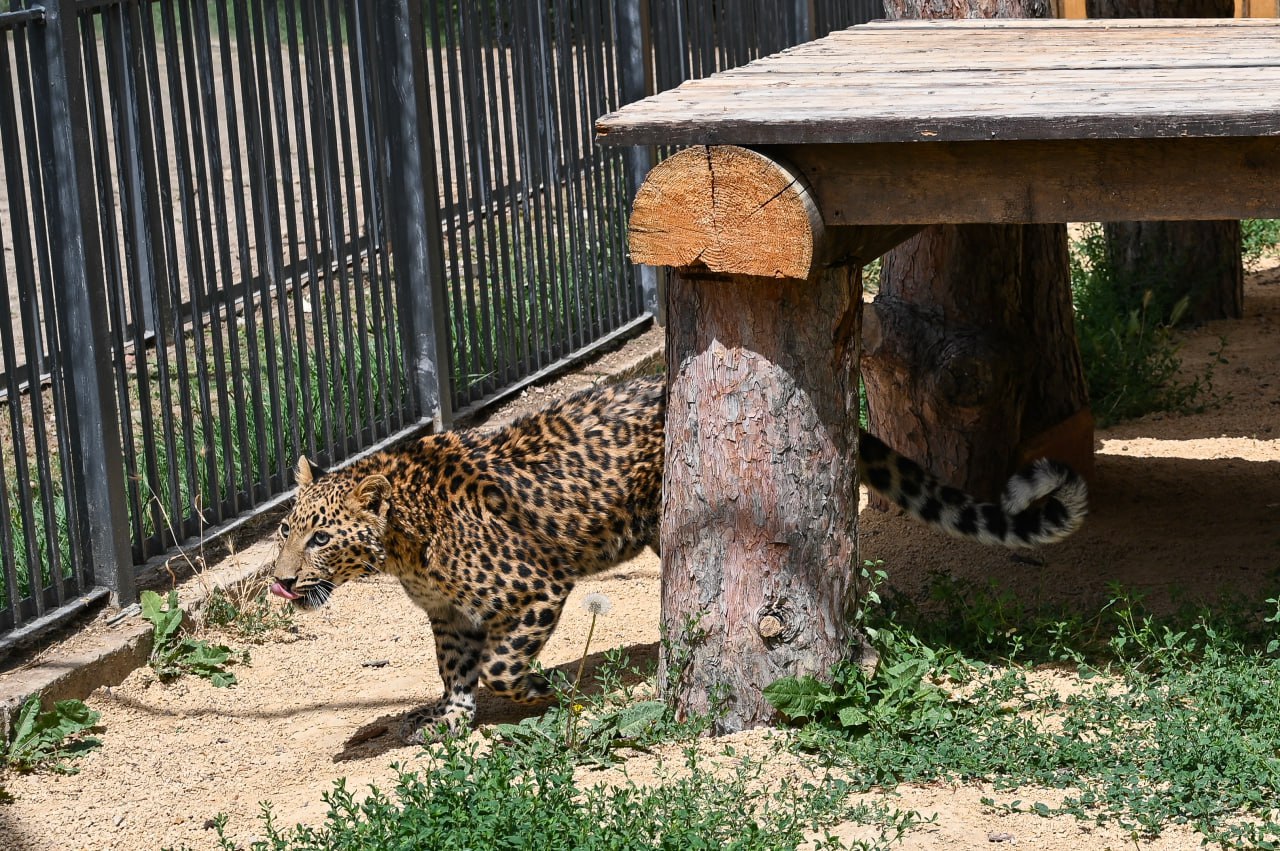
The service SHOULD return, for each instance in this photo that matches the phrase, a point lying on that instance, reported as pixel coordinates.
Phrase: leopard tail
(1042, 504)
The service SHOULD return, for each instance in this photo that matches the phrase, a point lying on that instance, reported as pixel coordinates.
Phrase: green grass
(493, 800)
(1127, 343)
(1258, 236)
(526, 789)
(1177, 718)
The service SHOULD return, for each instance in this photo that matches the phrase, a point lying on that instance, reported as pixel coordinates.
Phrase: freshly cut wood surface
(977, 80)
(727, 209)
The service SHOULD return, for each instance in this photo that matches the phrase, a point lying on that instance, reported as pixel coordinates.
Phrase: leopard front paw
(435, 723)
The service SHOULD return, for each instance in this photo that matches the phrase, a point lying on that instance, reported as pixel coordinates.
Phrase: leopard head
(333, 534)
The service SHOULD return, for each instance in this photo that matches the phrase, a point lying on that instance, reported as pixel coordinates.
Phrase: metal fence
(236, 231)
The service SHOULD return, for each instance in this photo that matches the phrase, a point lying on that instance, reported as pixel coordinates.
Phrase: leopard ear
(306, 472)
(373, 494)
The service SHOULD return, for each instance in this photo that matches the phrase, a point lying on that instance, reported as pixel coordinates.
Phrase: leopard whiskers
(318, 594)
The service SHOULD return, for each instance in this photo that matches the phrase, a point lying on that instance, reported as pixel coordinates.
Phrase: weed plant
(1126, 341)
(511, 798)
(530, 786)
(1176, 721)
(1258, 237)
(250, 616)
(173, 654)
(45, 740)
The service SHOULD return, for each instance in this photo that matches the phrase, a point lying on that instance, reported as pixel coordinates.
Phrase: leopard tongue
(280, 591)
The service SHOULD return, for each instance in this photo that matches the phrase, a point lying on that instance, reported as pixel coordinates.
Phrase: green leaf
(852, 717)
(800, 698)
(163, 614)
(41, 738)
(634, 720)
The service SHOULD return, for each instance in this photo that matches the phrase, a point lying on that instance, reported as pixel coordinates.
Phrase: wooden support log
(760, 515)
(727, 209)
(760, 511)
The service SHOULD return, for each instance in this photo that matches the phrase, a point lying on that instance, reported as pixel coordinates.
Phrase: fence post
(98, 498)
(413, 204)
(635, 51)
(807, 20)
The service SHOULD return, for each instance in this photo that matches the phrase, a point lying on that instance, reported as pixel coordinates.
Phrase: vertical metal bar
(413, 206)
(289, 299)
(616, 278)
(266, 233)
(539, 160)
(113, 262)
(34, 332)
(171, 369)
(132, 137)
(24, 269)
(471, 363)
(346, 193)
(203, 483)
(389, 402)
(256, 478)
(499, 215)
(340, 347)
(324, 328)
(219, 437)
(636, 74)
(314, 389)
(346, 35)
(570, 236)
(83, 335)
(232, 404)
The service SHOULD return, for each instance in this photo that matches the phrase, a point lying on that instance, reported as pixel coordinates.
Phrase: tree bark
(1200, 259)
(760, 514)
(970, 350)
(761, 502)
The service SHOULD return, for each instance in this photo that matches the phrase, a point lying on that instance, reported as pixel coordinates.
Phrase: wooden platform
(811, 162)
(981, 81)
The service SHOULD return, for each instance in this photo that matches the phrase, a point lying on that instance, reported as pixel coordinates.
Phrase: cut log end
(729, 210)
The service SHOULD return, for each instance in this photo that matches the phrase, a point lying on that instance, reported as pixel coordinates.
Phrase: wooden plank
(1155, 82)
(1054, 181)
(1057, 23)
(972, 80)
(770, 127)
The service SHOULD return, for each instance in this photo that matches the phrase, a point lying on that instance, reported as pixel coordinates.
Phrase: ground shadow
(381, 735)
(1174, 529)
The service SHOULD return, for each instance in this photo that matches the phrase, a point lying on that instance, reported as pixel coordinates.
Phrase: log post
(760, 510)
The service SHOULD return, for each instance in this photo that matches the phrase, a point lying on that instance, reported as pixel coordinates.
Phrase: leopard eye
(319, 539)
(284, 530)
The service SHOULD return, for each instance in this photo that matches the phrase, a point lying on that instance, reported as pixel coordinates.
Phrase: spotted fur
(487, 532)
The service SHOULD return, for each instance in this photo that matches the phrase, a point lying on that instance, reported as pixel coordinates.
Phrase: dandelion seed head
(597, 604)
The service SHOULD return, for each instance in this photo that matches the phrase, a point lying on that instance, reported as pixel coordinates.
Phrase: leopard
(488, 531)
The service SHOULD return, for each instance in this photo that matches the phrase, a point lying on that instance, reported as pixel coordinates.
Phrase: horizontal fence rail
(233, 232)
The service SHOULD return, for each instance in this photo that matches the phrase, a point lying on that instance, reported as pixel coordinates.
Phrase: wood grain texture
(1049, 181)
(978, 80)
(761, 499)
(726, 209)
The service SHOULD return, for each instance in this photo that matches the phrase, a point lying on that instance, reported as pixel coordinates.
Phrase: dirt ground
(1183, 506)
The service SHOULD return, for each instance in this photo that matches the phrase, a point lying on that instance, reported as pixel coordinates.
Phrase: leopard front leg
(460, 644)
(506, 664)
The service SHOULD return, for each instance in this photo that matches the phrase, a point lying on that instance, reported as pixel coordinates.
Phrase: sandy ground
(1184, 506)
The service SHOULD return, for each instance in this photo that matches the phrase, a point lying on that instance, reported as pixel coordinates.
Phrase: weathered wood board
(981, 80)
